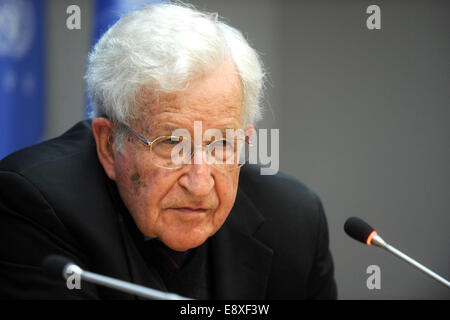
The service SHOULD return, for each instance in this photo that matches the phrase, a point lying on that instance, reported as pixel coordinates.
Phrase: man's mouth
(191, 210)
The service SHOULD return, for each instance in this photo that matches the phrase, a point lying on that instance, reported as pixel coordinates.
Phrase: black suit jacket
(54, 199)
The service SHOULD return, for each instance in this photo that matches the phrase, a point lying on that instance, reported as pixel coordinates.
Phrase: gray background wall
(364, 120)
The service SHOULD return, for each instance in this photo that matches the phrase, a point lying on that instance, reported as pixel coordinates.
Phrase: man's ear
(102, 129)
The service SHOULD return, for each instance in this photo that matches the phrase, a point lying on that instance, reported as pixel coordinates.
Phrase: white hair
(166, 47)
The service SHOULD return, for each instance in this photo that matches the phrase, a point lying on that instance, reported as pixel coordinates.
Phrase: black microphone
(56, 266)
(361, 231)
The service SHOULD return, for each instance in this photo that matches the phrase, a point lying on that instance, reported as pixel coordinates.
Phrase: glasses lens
(175, 151)
(171, 151)
(228, 154)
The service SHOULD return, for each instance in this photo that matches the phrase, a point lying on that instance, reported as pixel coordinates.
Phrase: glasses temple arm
(137, 135)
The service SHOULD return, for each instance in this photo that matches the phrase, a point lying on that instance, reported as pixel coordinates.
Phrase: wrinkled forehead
(215, 101)
(189, 114)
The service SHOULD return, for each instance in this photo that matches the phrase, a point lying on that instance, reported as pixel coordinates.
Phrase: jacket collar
(138, 271)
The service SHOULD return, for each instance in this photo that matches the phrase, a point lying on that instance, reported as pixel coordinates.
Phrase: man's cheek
(151, 185)
(232, 187)
(136, 182)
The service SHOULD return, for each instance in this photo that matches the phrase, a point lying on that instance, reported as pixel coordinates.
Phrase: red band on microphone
(369, 238)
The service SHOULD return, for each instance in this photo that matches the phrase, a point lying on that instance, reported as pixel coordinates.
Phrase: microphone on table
(361, 231)
(57, 266)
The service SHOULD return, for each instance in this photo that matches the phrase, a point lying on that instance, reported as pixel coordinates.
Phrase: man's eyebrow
(172, 127)
(165, 128)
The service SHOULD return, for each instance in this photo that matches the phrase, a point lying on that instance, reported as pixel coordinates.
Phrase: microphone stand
(379, 242)
(120, 285)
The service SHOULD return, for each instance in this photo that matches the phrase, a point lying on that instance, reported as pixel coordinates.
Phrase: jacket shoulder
(76, 140)
(279, 193)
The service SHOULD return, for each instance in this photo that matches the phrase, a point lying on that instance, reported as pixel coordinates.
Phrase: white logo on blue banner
(16, 27)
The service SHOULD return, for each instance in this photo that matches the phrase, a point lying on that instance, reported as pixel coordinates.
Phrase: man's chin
(183, 244)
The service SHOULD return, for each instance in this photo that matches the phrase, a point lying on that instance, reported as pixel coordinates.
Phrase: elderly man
(110, 195)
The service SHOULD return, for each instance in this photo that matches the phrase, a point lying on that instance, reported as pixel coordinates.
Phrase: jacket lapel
(240, 263)
(139, 272)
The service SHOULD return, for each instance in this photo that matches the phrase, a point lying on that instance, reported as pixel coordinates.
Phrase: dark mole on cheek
(136, 178)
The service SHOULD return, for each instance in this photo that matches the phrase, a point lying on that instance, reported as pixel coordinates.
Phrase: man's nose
(198, 179)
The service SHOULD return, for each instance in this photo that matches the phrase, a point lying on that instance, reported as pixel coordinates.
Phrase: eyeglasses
(173, 152)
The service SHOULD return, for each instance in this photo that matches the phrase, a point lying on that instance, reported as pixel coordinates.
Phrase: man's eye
(222, 144)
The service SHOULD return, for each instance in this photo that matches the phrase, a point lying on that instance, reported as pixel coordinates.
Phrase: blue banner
(21, 74)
